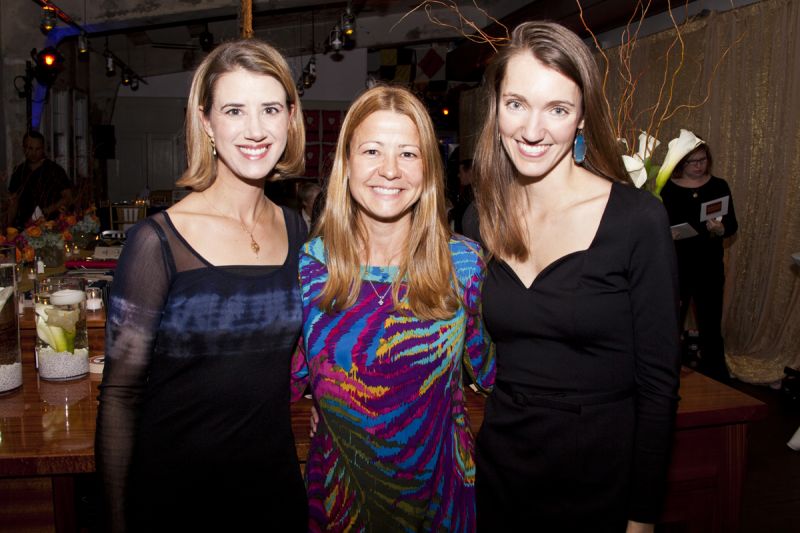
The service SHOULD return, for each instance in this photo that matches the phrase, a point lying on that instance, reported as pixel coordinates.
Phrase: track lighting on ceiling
(49, 18)
(206, 40)
(335, 39)
(109, 57)
(348, 22)
(83, 44)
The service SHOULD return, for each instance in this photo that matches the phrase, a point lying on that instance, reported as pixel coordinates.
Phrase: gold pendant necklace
(253, 244)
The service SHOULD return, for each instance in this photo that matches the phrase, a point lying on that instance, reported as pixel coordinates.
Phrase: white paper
(717, 208)
(682, 231)
(107, 252)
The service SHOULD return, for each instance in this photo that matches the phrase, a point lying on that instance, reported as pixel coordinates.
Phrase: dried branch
(476, 36)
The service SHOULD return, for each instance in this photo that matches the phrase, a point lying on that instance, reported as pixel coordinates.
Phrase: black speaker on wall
(104, 141)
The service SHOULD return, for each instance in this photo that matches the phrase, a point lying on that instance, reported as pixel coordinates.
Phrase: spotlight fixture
(335, 39)
(206, 40)
(135, 84)
(83, 44)
(110, 69)
(49, 63)
(310, 73)
(126, 77)
(348, 22)
(49, 18)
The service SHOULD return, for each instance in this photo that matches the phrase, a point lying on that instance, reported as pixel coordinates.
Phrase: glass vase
(62, 346)
(10, 354)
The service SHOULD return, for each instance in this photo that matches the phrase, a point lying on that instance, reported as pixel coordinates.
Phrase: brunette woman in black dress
(581, 301)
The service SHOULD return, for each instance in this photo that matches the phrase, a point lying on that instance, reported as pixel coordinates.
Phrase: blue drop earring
(579, 147)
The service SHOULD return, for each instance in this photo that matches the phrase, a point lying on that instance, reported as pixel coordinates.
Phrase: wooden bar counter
(47, 437)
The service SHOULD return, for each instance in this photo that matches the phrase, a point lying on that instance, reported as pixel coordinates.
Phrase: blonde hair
(426, 264)
(498, 193)
(253, 56)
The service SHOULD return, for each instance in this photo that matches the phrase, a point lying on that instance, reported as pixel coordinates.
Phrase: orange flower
(28, 253)
(18, 255)
(49, 225)
(34, 231)
(11, 232)
(66, 235)
(71, 220)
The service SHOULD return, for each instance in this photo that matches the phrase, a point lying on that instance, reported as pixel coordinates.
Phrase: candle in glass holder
(94, 300)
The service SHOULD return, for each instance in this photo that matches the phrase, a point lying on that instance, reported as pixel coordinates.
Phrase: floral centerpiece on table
(46, 238)
(640, 166)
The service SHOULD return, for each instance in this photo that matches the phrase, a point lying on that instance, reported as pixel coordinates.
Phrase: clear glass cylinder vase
(10, 354)
(62, 345)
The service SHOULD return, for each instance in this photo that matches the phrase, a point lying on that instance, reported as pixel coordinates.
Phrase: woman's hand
(715, 227)
(313, 422)
(639, 527)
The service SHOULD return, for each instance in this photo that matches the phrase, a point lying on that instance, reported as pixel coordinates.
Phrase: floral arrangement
(41, 234)
(641, 168)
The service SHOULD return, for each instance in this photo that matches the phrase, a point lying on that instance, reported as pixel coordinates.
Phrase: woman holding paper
(693, 196)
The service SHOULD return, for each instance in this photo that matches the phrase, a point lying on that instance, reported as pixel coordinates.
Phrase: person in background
(309, 191)
(580, 300)
(38, 182)
(193, 429)
(701, 270)
(391, 307)
(465, 195)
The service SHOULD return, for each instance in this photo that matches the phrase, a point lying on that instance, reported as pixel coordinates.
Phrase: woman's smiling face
(385, 167)
(538, 114)
(249, 123)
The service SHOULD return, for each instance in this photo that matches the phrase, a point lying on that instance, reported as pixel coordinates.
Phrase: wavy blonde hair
(426, 266)
(253, 56)
(498, 191)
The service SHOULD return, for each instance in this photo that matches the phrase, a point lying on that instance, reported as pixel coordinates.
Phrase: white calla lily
(636, 169)
(647, 145)
(679, 147)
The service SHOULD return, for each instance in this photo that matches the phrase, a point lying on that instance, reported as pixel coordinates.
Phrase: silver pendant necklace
(380, 297)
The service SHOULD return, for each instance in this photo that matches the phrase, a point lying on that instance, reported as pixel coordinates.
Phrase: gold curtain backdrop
(751, 122)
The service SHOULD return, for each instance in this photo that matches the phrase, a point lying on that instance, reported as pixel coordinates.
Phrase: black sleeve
(654, 305)
(138, 295)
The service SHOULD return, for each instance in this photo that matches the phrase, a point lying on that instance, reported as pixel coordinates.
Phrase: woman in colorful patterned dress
(391, 302)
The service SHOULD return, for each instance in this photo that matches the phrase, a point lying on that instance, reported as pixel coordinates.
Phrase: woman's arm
(479, 354)
(654, 306)
(138, 294)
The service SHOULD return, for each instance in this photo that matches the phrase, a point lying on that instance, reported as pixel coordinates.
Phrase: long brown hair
(253, 56)
(498, 192)
(426, 266)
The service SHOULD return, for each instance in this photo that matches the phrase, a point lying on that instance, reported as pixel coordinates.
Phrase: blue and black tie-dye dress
(194, 431)
(393, 451)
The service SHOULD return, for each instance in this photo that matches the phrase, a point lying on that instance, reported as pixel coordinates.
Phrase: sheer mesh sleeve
(139, 292)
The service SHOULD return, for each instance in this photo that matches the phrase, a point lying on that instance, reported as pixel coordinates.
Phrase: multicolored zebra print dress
(393, 450)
